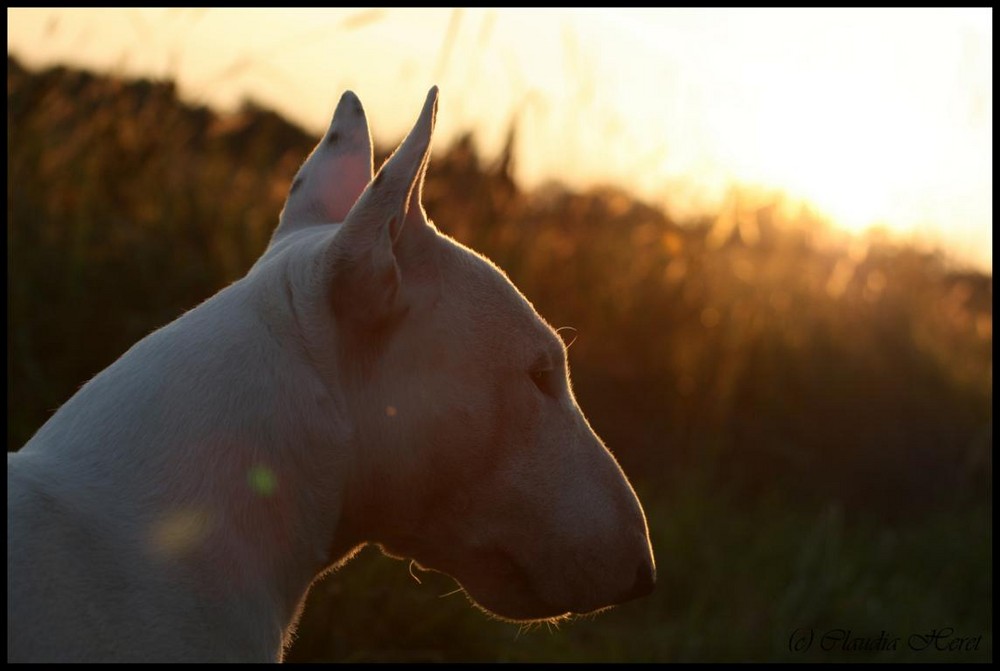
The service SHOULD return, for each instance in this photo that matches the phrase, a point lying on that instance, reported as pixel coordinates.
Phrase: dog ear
(335, 174)
(383, 244)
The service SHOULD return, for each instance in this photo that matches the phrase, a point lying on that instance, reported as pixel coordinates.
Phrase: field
(807, 419)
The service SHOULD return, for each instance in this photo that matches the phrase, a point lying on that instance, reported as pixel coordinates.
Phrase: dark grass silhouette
(809, 425)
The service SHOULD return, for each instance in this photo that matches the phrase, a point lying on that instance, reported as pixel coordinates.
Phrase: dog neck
(215, 463)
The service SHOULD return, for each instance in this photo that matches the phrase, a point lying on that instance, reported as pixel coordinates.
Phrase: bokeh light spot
(180, 531)
(262, 480)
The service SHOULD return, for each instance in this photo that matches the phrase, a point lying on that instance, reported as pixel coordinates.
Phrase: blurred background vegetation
(808, 423)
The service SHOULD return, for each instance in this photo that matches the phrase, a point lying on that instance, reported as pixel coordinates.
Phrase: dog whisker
(451, 593)
(575, 334)
(413, 575)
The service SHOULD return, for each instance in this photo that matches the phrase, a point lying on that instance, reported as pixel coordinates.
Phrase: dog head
(470, 453)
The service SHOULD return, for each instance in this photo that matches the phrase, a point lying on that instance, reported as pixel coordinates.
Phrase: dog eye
(546, 382)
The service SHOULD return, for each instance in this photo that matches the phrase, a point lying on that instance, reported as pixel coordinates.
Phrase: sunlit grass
(876, 117)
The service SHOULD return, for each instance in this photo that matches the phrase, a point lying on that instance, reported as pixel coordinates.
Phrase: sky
(874, 117)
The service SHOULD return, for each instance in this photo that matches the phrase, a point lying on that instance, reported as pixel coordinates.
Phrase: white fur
(367, 381)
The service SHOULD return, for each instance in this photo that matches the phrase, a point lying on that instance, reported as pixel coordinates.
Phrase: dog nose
(645, 580)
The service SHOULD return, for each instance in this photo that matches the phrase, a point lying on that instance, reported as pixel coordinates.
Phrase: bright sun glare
(874, 116)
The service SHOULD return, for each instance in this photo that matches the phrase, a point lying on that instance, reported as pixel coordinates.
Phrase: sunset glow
(874, 117)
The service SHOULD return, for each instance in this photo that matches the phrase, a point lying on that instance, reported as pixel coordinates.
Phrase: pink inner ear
(349, 179)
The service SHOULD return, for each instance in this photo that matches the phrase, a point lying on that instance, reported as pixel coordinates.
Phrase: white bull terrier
(369, 380)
